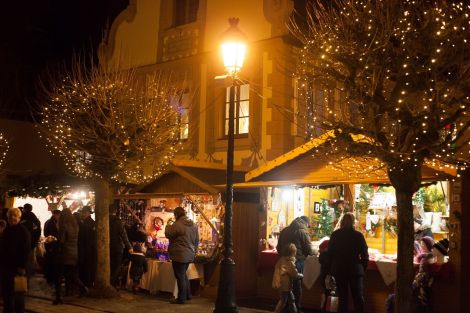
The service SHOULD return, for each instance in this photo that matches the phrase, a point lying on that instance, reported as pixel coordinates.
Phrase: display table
(386, 265)
(378, 280)
(160, 277)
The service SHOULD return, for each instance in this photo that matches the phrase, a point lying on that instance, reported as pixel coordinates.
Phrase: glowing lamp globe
(233, 48)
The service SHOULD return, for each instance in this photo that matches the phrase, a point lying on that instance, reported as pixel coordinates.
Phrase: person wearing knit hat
(417, 251)
(422, 285)
(426, 243)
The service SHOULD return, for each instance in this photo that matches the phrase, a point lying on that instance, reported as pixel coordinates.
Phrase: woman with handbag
(15, 247)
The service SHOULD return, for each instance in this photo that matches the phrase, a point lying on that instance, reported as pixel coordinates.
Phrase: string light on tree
(113, 125)
(395, 72)
(3, 148)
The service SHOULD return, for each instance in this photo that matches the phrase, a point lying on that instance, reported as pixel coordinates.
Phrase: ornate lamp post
(233, 50)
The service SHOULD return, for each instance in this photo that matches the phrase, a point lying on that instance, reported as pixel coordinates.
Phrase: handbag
(21, 283)
(332, 304)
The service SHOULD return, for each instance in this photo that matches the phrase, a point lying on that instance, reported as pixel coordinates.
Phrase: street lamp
(233, 51)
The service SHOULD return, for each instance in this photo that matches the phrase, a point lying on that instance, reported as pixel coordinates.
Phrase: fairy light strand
(394, 73)
(113, 125)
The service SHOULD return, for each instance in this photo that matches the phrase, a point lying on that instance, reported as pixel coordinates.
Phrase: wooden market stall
(198, 187)
(314, 182)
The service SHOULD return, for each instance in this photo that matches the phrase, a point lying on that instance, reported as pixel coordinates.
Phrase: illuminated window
(185, 11)
(181, 104)
(242, 110)
(184, 117)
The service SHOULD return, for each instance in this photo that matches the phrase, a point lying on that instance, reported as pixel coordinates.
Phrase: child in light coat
(285, 273)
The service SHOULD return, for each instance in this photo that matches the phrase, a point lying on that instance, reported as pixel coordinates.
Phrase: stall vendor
(421, 228)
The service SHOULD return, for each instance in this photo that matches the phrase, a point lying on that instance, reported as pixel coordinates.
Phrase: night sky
(41, 34)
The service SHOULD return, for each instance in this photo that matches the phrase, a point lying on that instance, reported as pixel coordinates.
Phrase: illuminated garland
(393, 71)
(3, 148)
(113, 125)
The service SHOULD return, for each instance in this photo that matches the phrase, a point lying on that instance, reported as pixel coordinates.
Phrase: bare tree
(392, 81)
(111, 126)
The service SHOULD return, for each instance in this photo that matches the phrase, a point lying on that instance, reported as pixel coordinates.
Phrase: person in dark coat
(138, 266)
(348, 257)
(297, 233)
(15, 248)
(33, 225)
(68, 255)
(184, 240)
(51, 234)
(87, 253)
(117, 242)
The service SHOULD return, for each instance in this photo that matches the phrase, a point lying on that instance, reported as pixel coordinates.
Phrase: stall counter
(378, 281)
(160, 277)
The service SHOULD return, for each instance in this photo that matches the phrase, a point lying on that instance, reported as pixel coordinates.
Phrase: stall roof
(188, 177)
(300, 167)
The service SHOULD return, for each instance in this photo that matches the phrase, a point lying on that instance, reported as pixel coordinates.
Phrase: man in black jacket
(33, 225)
(87, 247)
(117, 242)
(297, 233)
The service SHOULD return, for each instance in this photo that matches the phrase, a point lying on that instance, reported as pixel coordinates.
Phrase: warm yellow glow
(233, 45)
(234, 55)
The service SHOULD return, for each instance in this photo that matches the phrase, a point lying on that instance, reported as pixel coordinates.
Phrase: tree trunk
(103, 198)
(406, 181)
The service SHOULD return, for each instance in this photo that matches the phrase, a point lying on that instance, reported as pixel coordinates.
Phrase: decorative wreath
(158, 223)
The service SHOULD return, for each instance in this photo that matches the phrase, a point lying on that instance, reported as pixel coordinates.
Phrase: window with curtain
(242, 110)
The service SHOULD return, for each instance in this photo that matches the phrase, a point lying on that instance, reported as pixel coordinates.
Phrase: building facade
(182, 38)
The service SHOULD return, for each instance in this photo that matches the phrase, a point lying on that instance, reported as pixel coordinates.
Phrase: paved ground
(125, 303)
(39, 300)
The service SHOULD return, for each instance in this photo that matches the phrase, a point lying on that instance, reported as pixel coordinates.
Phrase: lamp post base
(225, 302)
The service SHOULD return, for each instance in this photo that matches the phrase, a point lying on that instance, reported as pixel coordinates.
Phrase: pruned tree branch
(113, 125)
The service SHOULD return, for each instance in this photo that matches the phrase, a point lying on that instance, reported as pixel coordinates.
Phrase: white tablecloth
(311, 270)
(388, 270)
(160, 276)
(386, 267)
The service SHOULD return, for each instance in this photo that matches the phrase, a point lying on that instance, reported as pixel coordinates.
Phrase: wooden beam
(193, 179)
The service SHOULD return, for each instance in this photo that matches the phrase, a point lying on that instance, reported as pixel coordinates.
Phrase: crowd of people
(71, 256)
(344, 259)
(68, 252)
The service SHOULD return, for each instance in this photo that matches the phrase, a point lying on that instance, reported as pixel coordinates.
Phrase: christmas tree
(324, 221)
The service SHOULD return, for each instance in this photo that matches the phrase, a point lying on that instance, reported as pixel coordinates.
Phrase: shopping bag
(21, 283)
(332, 304)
